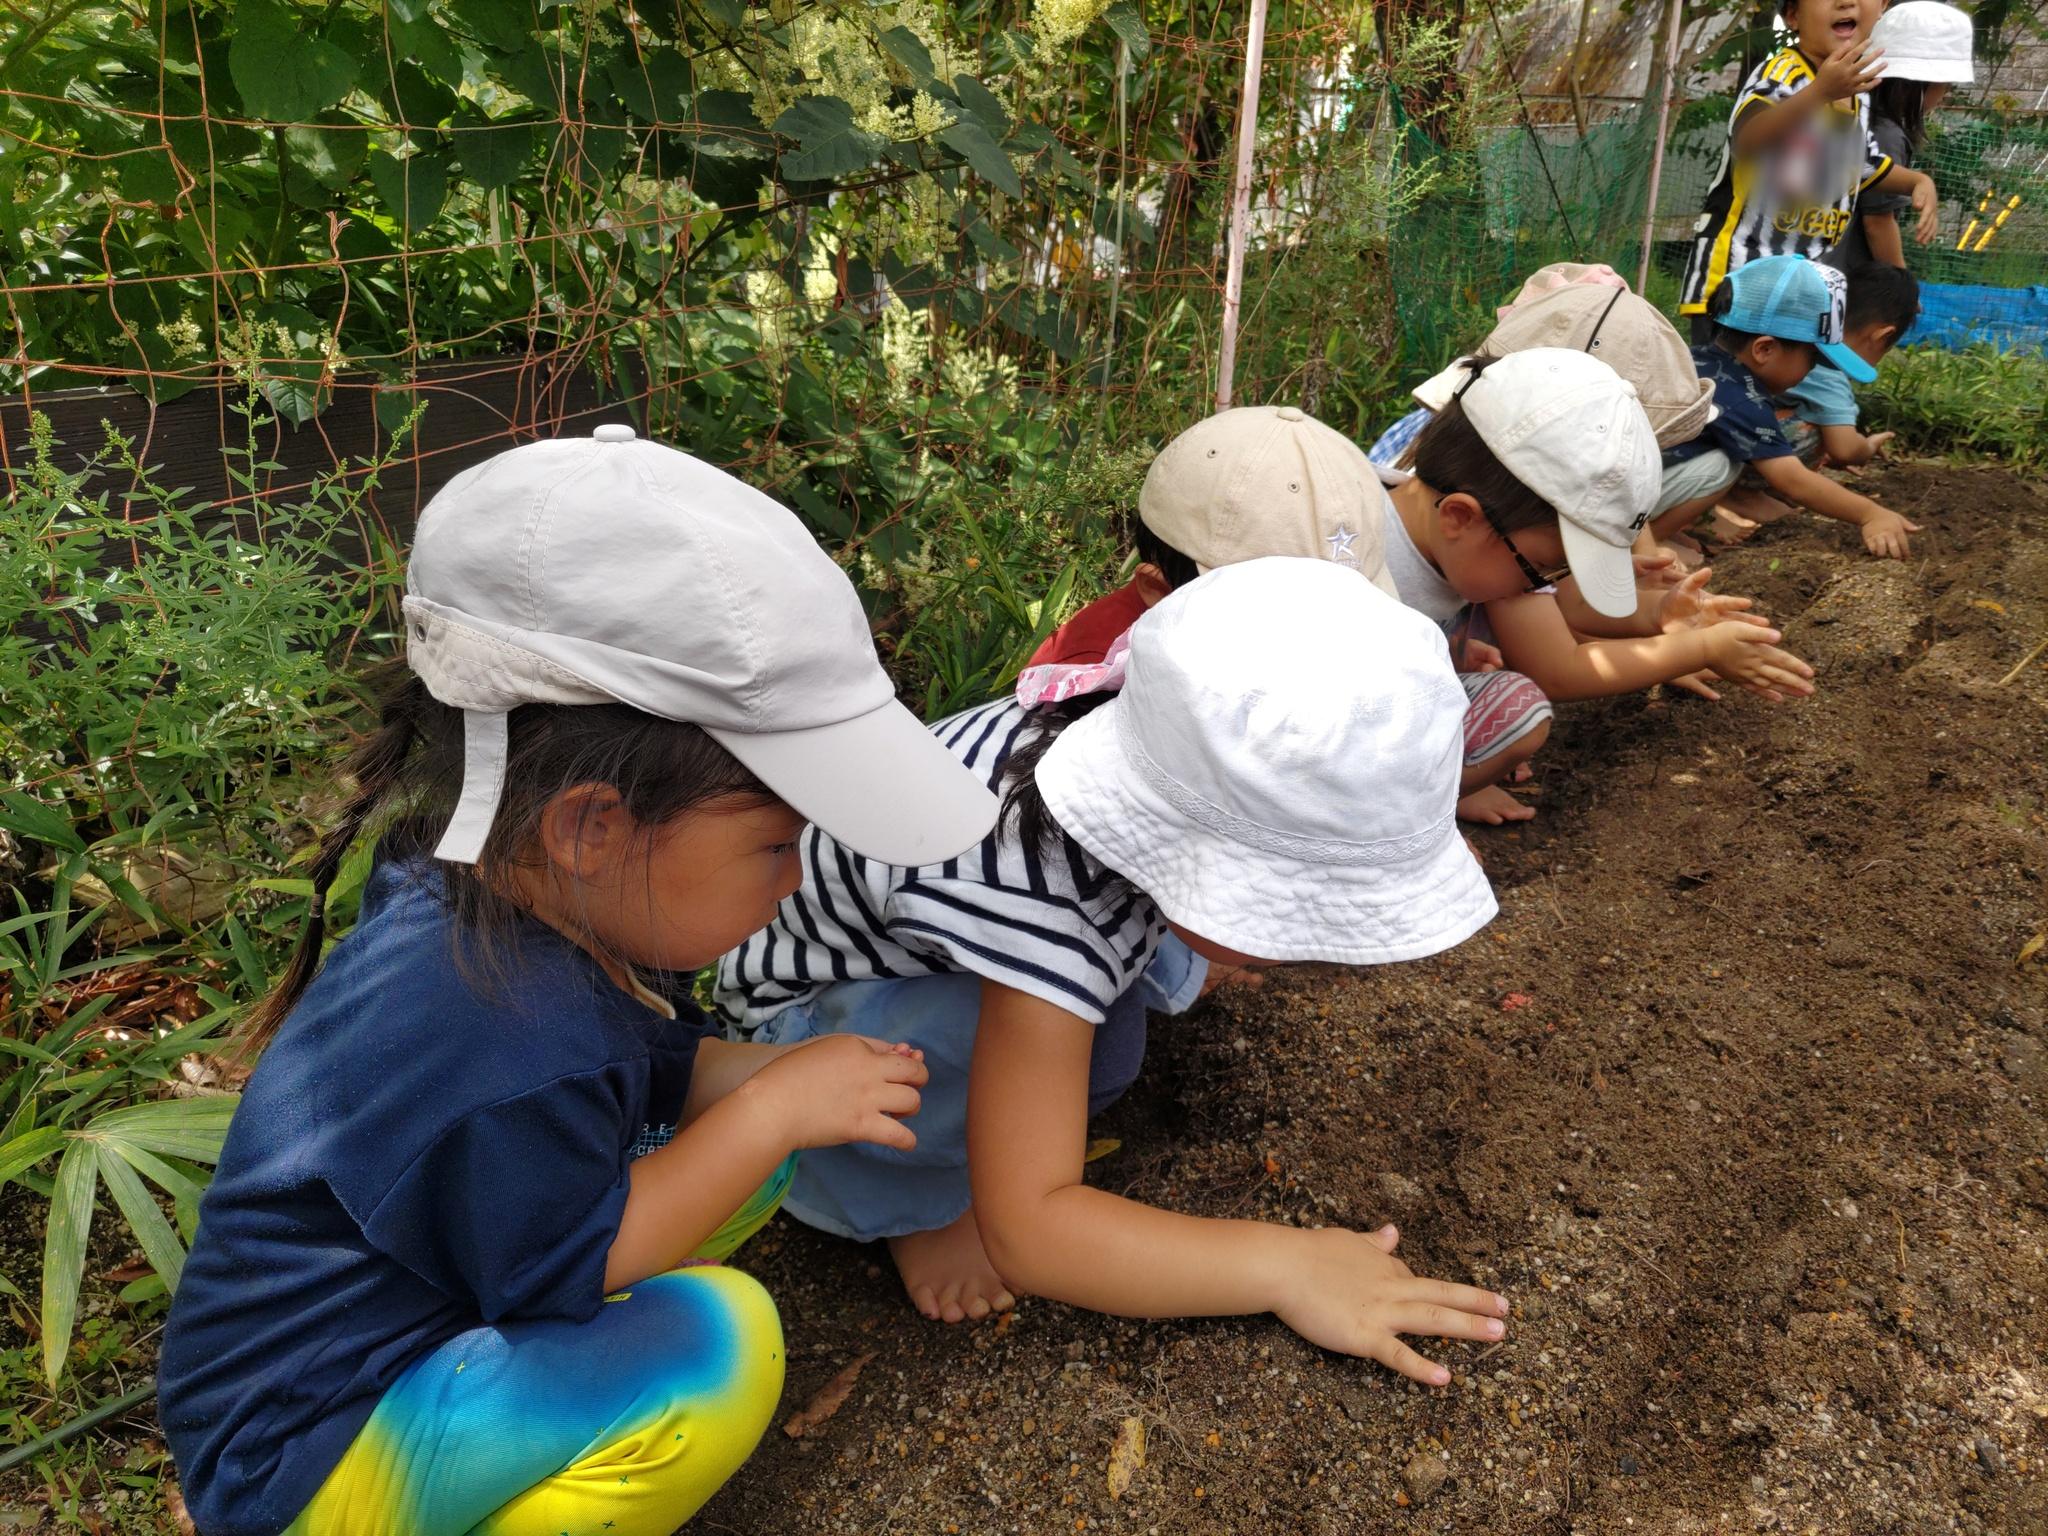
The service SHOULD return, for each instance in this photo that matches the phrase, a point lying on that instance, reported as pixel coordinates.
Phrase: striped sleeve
(1034, 929)
(1876, 163)
(1779, 76)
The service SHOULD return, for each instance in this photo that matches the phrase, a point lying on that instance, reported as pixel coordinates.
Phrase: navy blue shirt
(419, 1153)
(1747, 428)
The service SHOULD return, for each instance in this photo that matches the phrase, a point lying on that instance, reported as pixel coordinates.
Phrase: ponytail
(374, 767)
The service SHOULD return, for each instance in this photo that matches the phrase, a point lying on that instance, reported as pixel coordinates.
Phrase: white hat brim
(880, 783)
(1435, 392)
(1606, 574)
(1931, 71)
(1259, 902)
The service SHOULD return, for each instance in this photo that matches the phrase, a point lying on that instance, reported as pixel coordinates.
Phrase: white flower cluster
(980, 373)
(1056, 23)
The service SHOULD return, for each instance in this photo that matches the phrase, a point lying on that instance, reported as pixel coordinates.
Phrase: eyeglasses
(1537, 580)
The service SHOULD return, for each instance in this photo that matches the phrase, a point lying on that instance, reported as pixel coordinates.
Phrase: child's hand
(1849, 71)
(1658, 569)
(1349, 1293)
(844, 1088)
(1478, 656)
(1876, 442)
(1689, 605)
(1748, 654)
(1926, 203)
(1885, 535)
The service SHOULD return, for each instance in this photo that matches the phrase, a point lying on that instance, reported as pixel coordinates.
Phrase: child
(1265, 767)
(432, 1291)
(1799, 152)
(1775, 320)
(1927, 48)
(1818, 414)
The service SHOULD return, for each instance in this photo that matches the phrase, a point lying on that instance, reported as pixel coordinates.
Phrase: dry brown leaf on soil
(1101, 1147)
(1126, 1455)
(830, 1398)
(2031, 948)
(174, 1505)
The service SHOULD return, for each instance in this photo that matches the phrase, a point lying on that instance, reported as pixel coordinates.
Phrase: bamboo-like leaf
(28, 1149)
(160, 1244)
(176, 1183)
(189, 1128)
(64, 1251)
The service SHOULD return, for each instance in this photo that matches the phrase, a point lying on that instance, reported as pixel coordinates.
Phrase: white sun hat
(1573, 431)
(1280, 771)
(1924, 40)
(597, 569)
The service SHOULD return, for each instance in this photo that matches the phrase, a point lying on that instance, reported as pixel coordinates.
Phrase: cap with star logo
(1264, 480)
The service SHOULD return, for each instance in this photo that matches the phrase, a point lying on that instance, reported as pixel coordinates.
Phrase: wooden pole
(1674, 9)
(1240, 202)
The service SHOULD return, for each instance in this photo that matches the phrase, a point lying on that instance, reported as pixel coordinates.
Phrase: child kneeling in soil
(1266, 767)
(1775, 321)
(1818, 415)
(436, 1289)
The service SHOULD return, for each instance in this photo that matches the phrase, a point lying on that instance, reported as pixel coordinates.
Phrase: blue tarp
(1954, 315)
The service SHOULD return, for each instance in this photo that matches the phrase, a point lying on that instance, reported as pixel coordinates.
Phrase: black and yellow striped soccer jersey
(1795, 196)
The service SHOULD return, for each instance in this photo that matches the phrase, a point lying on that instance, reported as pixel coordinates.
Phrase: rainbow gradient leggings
(624, 1425)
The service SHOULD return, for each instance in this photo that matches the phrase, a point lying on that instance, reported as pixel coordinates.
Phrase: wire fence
(822, 251)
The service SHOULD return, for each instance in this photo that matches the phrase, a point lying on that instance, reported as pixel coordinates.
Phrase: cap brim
(1606, 574)
(1436, 391)
(880, 783)
(1845, 358)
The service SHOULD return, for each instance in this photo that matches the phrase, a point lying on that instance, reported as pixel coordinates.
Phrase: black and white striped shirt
(1796, 196)
(1056, 925)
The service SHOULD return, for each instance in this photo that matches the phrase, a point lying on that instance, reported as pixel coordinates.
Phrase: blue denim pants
(865, 1192)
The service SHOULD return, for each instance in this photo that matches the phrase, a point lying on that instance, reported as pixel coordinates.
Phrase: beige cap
(1269, 480)
(1624, 331)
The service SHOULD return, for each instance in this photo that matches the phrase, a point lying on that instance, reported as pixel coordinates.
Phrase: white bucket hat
(1573, 431)
(1925, 40)
(600, 569)
(1269, 480)
(1280, 771)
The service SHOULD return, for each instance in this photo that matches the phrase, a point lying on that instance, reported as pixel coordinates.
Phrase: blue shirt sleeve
(514, 1207)
(1825, 398)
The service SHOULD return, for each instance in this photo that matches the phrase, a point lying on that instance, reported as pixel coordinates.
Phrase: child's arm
(1926, 204)
(1848, 71)
(1539, 644)
(1848, 447)
(1881, 233)
(820, 1094)
(1884, 531)
(1048, 1233)
(721, 1066)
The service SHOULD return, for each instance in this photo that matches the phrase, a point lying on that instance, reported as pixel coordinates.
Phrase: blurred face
(1779, 364)
(1480, 561)
(1824, 25)
(674, 900)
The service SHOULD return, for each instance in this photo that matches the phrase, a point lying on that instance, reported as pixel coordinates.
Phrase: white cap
(599, 569)
(1269, 480)
(1924, 40)
(1280, 771)
(1572, 430)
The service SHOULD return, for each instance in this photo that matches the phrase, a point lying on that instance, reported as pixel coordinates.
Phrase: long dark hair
(1024, 814)
(406, 774)
(1905, 103)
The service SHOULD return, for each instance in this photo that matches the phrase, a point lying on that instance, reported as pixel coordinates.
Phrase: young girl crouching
(435, 1289)
(1274, 782)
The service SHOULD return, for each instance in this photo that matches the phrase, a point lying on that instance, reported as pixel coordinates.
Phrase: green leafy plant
(1977, 401)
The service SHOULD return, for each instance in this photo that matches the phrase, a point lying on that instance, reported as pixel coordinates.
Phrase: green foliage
(1977, 401)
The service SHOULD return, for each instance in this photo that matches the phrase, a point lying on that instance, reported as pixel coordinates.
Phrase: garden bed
(1742, 1099)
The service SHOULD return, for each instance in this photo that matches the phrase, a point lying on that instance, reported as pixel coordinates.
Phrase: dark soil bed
(1741, 1099)
(1760, 1159)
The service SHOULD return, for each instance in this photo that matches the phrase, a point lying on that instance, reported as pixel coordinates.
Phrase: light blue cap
(1794, 299)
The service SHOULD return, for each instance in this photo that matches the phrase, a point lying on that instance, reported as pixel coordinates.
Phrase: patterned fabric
(1797, 196)
(624, 1424)
(1052, 923)
(1393, 443)
(1747, 427)
(1055, 681)
(1501, 708)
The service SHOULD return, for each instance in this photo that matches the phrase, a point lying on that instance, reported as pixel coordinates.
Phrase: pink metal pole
(1240, 202)
(1677, 9)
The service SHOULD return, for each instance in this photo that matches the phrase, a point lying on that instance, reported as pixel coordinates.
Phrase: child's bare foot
(1686, 551)
(947, 1273)
(1493, 805)
(1729, 527)
(1756, 506)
